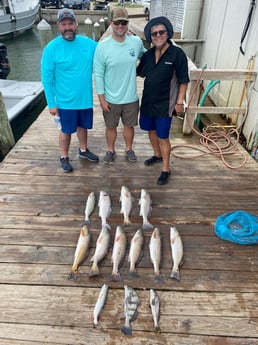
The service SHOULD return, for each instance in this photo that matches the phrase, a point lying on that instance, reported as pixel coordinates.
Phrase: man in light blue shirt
(66, 69)
(115, 79)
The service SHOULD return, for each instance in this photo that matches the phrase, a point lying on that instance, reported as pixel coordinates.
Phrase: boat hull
(24, 101)
(14, 24)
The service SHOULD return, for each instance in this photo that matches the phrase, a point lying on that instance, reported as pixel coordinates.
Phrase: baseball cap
(65, 13)
(119, 13)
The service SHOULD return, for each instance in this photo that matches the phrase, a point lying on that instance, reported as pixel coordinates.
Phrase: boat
(24, 101)
(17, 16)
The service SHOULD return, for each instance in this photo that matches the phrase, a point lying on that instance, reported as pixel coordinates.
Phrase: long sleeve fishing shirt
(162, 80)
(115, 69)
(66, 71)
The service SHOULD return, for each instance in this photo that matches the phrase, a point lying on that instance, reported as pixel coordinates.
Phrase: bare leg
(111, 135)
(155, 143)
(165, 148)
(128, 134)
(64, 142)
(82, 135)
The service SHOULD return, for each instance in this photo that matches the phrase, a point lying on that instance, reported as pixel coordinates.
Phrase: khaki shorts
(127, 112)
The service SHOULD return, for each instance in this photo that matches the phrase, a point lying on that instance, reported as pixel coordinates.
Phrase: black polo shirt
(162, 80)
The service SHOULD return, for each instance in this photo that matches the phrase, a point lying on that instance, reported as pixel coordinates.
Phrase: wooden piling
(6, 135)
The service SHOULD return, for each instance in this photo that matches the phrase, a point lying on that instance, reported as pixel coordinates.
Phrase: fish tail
(94, 271)
(95, 321)
(147, 225)
(175, 274)
(73, 275)
(133, 274)
(126, 330)
(115, 277)
(106, 225)
(157, 329)
(158, 278)
(127, 221)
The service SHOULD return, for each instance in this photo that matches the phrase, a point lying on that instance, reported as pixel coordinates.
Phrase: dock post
(102, 26)
(45, 32)
(6, 135)
(96, 29)
(88, 27)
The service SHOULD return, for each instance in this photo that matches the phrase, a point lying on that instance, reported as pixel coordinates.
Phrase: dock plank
(42, 211)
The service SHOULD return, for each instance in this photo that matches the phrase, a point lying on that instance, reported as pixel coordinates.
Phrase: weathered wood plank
(223, 74)
(45, 305)
(42, 210)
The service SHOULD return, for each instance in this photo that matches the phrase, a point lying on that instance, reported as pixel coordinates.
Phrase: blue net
(239, 227)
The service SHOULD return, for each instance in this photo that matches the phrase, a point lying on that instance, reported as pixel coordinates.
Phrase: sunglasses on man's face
(122, 22)
(160, 32)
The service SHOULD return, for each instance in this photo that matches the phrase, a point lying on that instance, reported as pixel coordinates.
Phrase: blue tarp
(239, 227)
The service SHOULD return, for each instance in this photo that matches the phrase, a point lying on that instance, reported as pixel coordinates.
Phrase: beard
(69, 35)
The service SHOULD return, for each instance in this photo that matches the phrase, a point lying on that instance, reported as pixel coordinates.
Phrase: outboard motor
(4, 62)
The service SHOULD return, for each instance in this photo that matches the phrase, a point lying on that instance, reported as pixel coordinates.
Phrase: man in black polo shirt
(165, 70)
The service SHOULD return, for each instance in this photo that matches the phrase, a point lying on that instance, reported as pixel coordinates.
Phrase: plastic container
(58, 122)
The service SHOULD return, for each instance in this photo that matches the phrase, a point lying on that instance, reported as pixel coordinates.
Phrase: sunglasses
(122, 22)
(160, 32)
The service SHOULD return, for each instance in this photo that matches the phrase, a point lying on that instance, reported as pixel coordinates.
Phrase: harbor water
(24, 53)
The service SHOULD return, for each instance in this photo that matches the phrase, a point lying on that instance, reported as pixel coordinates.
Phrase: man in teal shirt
(115, 79)
(66, 69)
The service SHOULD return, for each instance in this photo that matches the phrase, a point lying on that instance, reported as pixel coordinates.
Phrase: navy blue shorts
(159, 124)
(71, 119)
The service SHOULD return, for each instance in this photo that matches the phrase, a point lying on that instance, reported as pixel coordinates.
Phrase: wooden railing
(193, 93)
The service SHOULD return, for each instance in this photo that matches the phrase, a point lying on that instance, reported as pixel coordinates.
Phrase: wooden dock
(42, 211)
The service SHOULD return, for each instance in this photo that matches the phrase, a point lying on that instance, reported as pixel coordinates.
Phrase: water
(24, 54)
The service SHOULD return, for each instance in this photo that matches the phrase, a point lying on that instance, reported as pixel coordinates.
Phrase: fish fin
(115, 277)
(133, 274)
(126, 330)
(134, 317)
(94, 271)
(158, 279)
(147, 225)
(157, 329)
(73, 276)
(175, 274)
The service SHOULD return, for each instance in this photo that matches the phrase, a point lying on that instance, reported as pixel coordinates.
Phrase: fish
(177, 252)
(119, 249)
(131, 303)
(104, 208)
(100, 303)
(102, 245)
(80, 251)
(127, 201)
(155, 309)
(155, 252)
(135, 252)
(89, 207)
(145, 209)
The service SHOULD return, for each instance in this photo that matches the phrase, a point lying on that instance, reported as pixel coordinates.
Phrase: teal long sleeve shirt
(66, 72)
(115, 69)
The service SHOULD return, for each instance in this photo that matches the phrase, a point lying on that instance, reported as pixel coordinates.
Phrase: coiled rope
(239, 227)
(215, 139)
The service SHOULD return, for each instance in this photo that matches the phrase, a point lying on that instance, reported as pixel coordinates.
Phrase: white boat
(17, 16)
(19, 95)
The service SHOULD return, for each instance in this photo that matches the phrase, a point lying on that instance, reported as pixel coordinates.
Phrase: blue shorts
(159, 124)
(71, 119)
